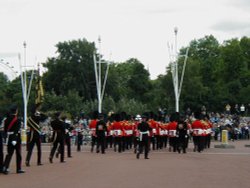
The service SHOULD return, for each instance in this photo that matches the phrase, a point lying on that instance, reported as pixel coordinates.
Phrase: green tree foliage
(216, 74)
(73, 69)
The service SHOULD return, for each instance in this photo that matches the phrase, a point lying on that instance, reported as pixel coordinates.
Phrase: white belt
(117, 132)
(172, 133)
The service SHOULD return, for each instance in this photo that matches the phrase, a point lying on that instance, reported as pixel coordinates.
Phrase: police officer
(34, 137)
(143, 129)
(58, 137)
(101, 130)
(12, 128)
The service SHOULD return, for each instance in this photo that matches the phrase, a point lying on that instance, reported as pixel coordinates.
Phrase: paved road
(214, 168)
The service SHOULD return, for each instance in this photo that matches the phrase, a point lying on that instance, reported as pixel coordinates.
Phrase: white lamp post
(100, 87)
(175, 72)
(25, 91)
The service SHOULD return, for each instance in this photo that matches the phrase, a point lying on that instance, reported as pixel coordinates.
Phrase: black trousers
(101, 142)
(68, 144)
(144, 144)
(10, 150)
(118, 141)
(1, 152)
(61, 149)
(35, 141)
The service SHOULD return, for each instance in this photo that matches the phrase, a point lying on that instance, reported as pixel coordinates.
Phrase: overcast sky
(128, 28)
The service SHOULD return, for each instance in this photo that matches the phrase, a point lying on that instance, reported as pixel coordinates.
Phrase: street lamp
(100, 87)
(25, 89)
(175, 70)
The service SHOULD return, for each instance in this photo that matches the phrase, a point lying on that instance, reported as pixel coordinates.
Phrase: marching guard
(144, 130)
(58, 137)
(12, 128)
(34, 136)
(101, 130)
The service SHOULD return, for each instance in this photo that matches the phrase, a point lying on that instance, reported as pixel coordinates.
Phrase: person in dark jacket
(1, 145)
(34, 137)
(12, 128)
(143, 129)
(182, 135)
(101, 130)
(58, 127)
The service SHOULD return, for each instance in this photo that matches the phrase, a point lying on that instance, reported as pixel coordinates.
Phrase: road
(215, 167)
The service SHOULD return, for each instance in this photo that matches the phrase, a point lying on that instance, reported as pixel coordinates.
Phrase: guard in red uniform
(197, 132)
(92, 128)
(172, 131)
(117, 130)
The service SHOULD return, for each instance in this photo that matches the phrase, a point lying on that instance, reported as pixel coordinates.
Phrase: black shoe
(63, 161)
(39, 164)
(97, 151)
(50, 160)
(20, 171)
(146, 158)
(69, 156)
(27, 163)
(138, 155)
(6, 171)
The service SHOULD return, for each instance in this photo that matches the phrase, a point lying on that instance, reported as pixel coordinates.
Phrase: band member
(101, 130)
(58, 137)
(172, 131)
(68, 135)
(1, 146)
(197, 132)
(143, 129)
(35, 135)
(92, 128)
(12, 128)
(67, 138)
(117, 130)
(182, 135)
(79, 131)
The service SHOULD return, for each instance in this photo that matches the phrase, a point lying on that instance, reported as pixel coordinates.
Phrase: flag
(39, 89)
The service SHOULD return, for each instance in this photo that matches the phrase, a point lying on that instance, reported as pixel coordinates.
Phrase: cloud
(160, 11)
(241, 4)
(232, 26)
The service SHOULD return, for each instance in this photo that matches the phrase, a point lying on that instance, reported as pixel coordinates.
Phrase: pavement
(213, 168)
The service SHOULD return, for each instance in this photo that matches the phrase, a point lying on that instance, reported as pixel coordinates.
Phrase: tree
(73, 69)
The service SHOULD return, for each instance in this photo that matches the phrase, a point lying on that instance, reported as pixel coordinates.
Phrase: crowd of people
(119, 131)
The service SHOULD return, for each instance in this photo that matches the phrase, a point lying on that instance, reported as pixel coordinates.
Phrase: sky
(138, 29)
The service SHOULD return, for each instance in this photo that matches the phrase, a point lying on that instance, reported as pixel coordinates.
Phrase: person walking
(58, 127)
(101, 130)
(143, 129)
(1, 145)
(12, 128)
(34, 137)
